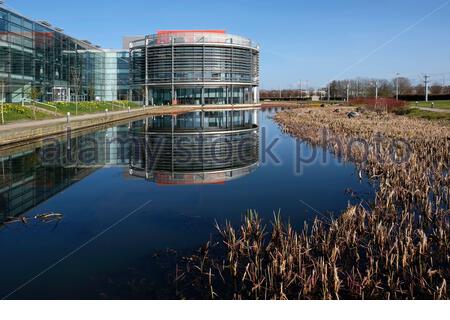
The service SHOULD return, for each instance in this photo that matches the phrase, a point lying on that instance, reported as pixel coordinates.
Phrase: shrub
(381, 104)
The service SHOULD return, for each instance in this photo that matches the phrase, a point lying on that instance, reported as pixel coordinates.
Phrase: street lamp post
(301, 90)
(329, 92)
(376, 90)
(397, 91)
(348, 92)
(427, 86)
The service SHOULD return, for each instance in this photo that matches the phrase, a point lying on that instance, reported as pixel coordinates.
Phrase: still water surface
(105, 248)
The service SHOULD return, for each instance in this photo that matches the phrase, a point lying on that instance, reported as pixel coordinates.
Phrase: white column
(146, 95)
(255, 95)
(203, 96)
(255, 117)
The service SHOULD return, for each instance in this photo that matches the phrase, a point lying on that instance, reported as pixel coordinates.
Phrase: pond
(136, 197)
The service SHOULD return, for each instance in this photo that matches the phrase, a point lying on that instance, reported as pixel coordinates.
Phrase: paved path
(435, 110)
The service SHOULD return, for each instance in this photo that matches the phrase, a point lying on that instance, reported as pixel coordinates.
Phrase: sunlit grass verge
(86, 107)
(438, 104)
(15, 112)
(429, 115)
(398, 247)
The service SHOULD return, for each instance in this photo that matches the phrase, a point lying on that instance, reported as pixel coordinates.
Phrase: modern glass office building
(37, 60)
(195, 68)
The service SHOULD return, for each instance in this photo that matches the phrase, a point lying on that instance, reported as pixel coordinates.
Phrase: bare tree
(364, 87)
(76, 84)
(419, 89)
(436, 88)
(386, 88)
(35, 93)
(91, 92)
(404, 86)
(446, 90)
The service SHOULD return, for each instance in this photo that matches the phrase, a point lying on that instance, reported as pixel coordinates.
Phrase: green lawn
(430, 115)
(439, 104)
(14, 112)
(87, 107)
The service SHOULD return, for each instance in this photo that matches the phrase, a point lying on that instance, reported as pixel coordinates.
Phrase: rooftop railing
(195, 38)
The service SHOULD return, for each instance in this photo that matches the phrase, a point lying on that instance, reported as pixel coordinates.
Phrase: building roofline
(168, 32)
(217, 38)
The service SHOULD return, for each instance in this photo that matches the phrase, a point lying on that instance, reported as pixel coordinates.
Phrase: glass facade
(58, 67)
(116, 71)
(195, 68)
(38, 61)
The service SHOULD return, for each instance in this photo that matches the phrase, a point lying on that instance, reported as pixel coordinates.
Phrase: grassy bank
(439, 104)
(429, 115)
(87, 107)
(15, 113)
(397, 247)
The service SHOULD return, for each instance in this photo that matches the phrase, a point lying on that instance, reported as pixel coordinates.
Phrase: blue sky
(311, 41)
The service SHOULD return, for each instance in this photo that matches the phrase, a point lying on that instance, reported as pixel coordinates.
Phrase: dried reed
(397, 249)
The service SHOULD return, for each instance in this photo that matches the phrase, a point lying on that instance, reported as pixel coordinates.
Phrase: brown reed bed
(398, 248)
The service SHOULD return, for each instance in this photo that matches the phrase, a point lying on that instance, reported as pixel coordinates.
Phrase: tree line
(362, 87)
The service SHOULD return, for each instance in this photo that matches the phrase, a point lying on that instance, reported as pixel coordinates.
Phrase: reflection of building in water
(25, 182)
(31, 176)
(201, 147)
(196, 148)
(101, 148)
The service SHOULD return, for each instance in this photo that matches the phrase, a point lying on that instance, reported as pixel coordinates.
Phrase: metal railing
(195, 38)
(35, 102)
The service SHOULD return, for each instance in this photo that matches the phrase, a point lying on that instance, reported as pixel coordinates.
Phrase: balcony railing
(195, 38)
